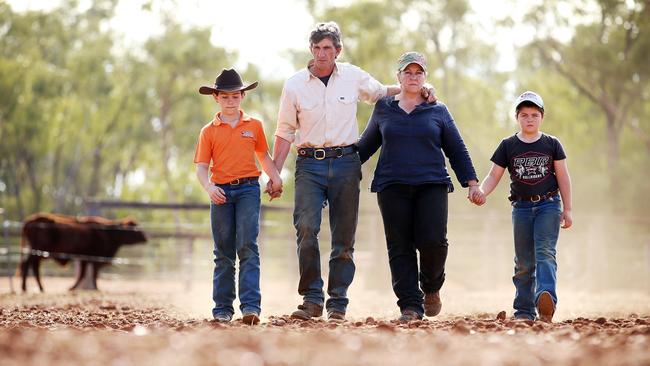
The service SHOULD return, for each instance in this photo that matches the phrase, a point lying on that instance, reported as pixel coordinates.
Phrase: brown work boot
(545, 307)
(335, 316)
(432, 303)
(307, 311)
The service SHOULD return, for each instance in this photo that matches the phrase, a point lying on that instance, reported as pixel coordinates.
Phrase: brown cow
(62, 236)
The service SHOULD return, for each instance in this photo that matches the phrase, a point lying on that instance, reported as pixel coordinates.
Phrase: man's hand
(217, 195)
(428, 92)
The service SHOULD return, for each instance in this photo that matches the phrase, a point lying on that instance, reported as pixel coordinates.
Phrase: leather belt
(534, 198)
(326, 152)
(239, 181)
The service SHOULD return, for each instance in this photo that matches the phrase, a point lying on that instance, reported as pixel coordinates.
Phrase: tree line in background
(81, 117)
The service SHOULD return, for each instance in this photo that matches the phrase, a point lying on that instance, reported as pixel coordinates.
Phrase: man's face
(324, 54)
(530, 119)
(229, 102)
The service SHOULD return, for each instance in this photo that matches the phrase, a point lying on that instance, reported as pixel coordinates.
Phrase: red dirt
(100, 328)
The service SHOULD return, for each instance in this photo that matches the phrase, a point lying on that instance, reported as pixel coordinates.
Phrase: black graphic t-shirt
(530, 164)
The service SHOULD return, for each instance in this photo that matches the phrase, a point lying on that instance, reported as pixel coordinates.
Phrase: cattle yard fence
(97, 207)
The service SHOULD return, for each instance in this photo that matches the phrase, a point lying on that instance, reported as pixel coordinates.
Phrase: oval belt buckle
(317, 156)
(533, 200)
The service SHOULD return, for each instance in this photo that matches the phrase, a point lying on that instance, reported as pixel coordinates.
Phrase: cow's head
(129, 232)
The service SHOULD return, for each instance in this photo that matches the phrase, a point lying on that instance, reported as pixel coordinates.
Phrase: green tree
(606, 62)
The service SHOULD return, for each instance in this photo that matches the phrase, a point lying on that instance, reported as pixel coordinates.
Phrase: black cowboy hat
(228, 81)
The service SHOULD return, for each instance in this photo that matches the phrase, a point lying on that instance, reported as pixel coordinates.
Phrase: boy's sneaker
(522, 317)
(307, 311)
(409, 316)
(432, 303)
(250, 318)
(222, 318)
(545, 307)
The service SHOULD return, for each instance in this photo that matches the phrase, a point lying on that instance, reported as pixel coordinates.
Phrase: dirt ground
(151, 322)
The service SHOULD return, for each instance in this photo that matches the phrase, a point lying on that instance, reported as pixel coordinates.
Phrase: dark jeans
(536, 228)
(235, 226)
(335, 180)
(415, 218)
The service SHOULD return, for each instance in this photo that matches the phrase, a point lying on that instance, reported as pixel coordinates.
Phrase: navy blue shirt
(412, 146)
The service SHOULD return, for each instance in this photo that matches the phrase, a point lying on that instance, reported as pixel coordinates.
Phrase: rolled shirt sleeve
(370, 90)
(287, 115)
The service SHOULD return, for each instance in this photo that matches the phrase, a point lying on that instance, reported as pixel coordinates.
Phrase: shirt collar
(243, 117)
(393, 101)
(310, 75)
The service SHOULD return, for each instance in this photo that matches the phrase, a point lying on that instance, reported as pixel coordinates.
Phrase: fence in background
(600, 252)
(181, 235)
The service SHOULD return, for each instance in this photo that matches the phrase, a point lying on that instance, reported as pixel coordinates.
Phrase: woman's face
(412, 78)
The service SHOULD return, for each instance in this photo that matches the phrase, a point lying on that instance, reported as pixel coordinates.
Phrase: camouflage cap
(529, 96)
(411, 58)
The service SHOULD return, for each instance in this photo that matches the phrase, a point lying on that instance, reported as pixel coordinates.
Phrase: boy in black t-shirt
(538, 172)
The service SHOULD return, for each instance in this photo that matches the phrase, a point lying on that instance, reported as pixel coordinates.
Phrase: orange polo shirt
(231, 150)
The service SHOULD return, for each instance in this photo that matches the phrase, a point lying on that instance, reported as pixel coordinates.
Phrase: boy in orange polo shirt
(230, 142)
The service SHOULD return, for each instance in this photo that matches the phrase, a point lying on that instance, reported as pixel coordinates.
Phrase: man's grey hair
(326, 30)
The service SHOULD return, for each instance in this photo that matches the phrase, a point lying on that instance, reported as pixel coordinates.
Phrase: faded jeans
(235, 226)
(536, 229)
(335, 181)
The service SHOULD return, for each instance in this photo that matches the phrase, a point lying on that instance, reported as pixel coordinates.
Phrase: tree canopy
(80, 118)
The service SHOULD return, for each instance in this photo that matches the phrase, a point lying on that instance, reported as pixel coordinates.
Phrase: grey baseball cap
(529, 96)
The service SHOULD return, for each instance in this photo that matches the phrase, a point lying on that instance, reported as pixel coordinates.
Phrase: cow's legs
(24, 267)
(86, 276)
(81, 272)
(96, 266)
(36, 264)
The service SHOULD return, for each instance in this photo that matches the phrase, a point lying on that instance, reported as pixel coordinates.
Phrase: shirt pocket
(347, 93)
(346, 102)
(310, 112)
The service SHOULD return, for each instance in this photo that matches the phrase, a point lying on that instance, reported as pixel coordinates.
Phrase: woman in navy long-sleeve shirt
(412, 183)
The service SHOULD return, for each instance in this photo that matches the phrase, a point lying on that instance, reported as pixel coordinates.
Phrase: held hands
(476, 195)
(274, 188)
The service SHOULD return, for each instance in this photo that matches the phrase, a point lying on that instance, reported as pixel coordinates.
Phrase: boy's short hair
(528, 104)
(326, 30)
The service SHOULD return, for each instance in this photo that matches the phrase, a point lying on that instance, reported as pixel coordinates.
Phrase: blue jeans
(536, 228)
(335, 181)
(235, 226)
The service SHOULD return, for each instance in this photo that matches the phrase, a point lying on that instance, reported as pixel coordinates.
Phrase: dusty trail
(134, 329)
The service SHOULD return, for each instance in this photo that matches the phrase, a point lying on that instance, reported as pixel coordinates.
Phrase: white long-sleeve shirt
(313, 115)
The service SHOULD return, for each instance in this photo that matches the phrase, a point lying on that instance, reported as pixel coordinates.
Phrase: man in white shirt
(317, 113)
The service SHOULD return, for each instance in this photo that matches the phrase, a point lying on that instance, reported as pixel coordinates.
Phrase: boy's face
(229, 102)
(530, 119)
